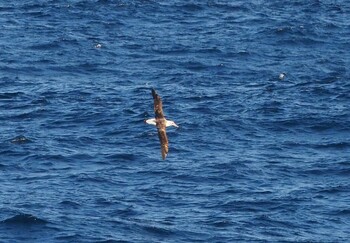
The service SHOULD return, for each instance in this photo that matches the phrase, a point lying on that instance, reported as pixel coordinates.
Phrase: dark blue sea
(257, 157)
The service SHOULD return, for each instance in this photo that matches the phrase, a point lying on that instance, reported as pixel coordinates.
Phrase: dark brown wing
(163, 141)
(160, 123)
(158, 106)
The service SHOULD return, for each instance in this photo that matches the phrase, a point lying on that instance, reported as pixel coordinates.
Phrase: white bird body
(168, 123)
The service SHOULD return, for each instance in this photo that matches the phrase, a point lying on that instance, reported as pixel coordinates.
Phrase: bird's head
(171, 123)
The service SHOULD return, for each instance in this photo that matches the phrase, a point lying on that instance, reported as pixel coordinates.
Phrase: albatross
(161, 123)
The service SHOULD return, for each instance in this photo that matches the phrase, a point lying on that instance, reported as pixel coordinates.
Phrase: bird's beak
(175, 125)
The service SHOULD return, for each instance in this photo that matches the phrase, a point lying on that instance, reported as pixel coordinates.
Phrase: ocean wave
(20, 140)
(24, 219)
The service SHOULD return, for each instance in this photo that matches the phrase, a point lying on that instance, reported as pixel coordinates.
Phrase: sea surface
(257, 157)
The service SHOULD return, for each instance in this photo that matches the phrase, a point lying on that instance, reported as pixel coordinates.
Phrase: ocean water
(256, 158)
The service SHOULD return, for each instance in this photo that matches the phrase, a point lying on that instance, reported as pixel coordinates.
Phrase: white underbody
(152, 121)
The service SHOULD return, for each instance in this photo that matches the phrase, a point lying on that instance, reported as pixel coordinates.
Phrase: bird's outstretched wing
(163, 141)
(158, 106)
(160, 123)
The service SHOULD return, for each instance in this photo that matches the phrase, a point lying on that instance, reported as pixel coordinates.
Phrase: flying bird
(161, 123)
